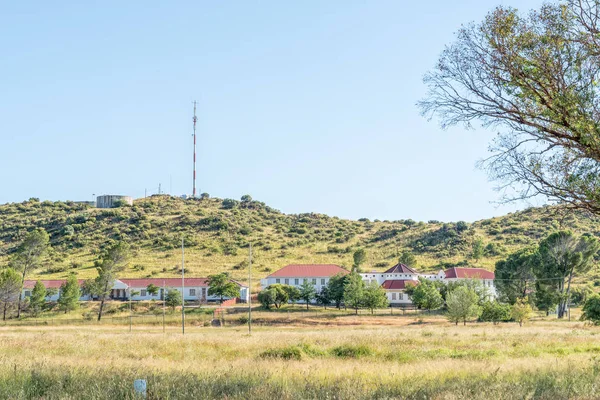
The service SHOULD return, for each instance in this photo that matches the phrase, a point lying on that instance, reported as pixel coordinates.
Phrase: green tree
(426, 295)
(360, 256)
(10, 290)
(278, 294)
(228, 204)
(152, 289)
(563, 255)
(493, 311)
(335, 287)
(246, 199)
(408, 258)
(30, 255)
(38, 298)
(205, 196)
(546, 298)
(478, 249)
(220, 285)
(521, 311)
(112, 261)
(591, 310)
(374, 296)
(533, 78)
(514, 274)
(307, 292)
(267, 297)
(173, 299)
(354, 292)
(69, 294)
(323, 297)
(462, 303)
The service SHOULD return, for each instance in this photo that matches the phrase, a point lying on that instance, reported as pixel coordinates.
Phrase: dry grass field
(385, 357)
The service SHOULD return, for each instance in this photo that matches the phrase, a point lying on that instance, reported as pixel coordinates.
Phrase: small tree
(228, 204)
(360, 256)
(591, 310)
(204, 196)
(112, 261)
(426, 295)
(10, 290)
(38, 298)
(354, 292)
(173, 299)
(69, 294)
(462, 303)
(277, 294)
(408, 258)
(323, 297)
(307, 292)
(335, 288)
(267, 297)
(30, 255)
(495, 312)
(521, 311)
(246, 199)
(374, 297)
(220, 285)
(152, 289)
(478, 249)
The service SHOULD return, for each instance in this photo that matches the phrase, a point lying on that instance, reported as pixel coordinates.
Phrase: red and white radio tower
(195, 119)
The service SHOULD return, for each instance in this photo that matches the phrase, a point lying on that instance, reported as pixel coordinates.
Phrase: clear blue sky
(305, 105)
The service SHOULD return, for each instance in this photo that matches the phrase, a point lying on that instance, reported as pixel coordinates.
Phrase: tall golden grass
(411, 359)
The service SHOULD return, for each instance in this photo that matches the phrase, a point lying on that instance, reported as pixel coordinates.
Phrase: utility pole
(250, 290)
(130, 310)
(182, 288)
(194, 173)
(164, 296)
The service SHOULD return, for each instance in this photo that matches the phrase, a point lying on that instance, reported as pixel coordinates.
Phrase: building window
(296, 281)
(322, 281)
(314, 281)
(277, 280)
(287, 281)
(192, 292)
(393, 296)
(27, 293)
(143, 293)
(401, 296)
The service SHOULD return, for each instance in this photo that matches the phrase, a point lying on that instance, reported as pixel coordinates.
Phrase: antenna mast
(194, 119)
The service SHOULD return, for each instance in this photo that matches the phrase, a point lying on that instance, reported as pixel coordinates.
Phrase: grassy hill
(217, 234)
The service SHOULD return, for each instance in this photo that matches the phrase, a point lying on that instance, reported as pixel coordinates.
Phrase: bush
(495, 312)
(351, 351)
(591, 310)
(285, 353)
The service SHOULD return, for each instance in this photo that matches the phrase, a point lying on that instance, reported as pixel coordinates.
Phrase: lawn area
(348, 357)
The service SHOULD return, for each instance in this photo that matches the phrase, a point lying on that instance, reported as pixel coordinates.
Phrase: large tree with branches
(535, 79)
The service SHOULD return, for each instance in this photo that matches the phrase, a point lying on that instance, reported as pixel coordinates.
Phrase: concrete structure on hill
(111, 200)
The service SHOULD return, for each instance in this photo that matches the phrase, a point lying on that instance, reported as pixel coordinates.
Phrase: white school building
(194, 289)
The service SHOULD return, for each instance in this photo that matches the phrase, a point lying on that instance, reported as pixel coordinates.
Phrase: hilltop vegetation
(217, 233)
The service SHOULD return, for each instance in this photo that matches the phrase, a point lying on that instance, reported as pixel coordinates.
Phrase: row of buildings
(394, 281)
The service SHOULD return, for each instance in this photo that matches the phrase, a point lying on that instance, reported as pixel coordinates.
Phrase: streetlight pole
(182, 288)
(250, 290)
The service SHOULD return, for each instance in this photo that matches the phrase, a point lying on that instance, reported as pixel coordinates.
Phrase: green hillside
(217, 234)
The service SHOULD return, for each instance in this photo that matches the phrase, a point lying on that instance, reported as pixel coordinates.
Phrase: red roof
(169, 282)
(48, 283)
(401, 269)
(398, 284)
(308, 270)
(469, 273)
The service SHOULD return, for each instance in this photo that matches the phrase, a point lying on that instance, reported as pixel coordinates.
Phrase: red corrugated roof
(398, 284)
(169, 282)
(308, 270)
(470, 273)
(401, 269)
(48, 283)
